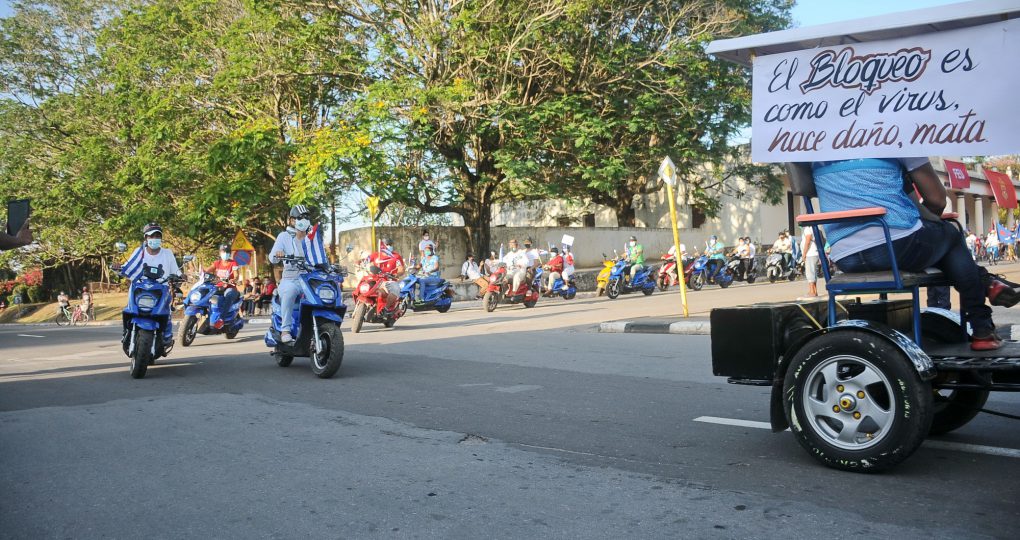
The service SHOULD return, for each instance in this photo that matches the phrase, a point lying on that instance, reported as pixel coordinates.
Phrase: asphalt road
(516, 424)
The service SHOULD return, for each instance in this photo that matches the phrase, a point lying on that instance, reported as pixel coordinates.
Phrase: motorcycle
(369, 305)
(721, 276)
(602, 279)
(643, 280)
(316, 320)
(148, 328)
(499, 290)
(667, 276)
(206, 312)
(775, 268)
(557, 288)
(438, 297)
(736, 269)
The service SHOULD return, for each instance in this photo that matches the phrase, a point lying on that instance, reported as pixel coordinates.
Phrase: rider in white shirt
(151, 253)
(290, 243)
(517, 264)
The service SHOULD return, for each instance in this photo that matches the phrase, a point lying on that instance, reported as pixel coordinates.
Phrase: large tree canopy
(212, 115)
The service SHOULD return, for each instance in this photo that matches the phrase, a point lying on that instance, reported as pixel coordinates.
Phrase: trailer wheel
(855, 402)
(954, 408)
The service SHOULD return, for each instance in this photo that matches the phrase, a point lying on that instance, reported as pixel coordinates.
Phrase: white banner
(944, 93)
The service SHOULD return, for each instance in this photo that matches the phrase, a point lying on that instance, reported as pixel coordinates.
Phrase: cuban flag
(1005, 236)
(315, 250)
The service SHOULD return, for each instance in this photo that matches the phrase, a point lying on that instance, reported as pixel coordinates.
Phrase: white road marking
(933, 444)
(733, 422)
(29, 335)
(474, 384)
(517, 388)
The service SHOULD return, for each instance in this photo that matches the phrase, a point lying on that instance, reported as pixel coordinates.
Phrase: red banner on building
(1002, 188)
(959, 178)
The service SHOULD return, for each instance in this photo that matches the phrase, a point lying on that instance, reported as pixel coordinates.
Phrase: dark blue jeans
(941, 245)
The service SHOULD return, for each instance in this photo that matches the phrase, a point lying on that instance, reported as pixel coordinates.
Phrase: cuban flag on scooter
(315, 251)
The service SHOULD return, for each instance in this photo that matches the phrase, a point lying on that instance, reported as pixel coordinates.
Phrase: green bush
(35, 294)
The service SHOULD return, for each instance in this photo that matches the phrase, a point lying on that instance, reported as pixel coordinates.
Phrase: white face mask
(154, 243)
(224, 256)
(633, 243)
(302, 224)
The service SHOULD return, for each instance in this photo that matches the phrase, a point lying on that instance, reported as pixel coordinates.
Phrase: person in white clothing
(517, 264)
(809, 256)
(290, 243)
(568, 263)
(152, 254)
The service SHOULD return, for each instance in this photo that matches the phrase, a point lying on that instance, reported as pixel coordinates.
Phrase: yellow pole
(373, 205)
(676, 248)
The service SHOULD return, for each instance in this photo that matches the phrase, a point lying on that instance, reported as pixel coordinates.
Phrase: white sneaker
(285, 337)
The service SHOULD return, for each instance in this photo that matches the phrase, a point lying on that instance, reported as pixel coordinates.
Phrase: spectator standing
(248, 298)
(809, 255)
(267, 294)
(86, 302)
(972, 244)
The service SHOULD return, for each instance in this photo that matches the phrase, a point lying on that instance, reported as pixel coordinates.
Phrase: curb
(697, 327)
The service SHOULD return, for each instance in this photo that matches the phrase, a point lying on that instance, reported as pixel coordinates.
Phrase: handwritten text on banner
(935, 94)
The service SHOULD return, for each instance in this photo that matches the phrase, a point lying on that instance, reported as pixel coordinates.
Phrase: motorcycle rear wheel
(444, 309)
(359, 317)
(530, 303)
(284, 361)
(773, 274)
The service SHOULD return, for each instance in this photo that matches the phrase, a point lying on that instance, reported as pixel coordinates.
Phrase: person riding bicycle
(716, 258)
(390, 262)
(635, 256)
(225, 268)
(917, 243)
(64, 303)
(555, 269)
(291, 243)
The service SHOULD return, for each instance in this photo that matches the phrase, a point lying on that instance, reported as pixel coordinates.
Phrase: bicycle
(80, 316)
(64, 316)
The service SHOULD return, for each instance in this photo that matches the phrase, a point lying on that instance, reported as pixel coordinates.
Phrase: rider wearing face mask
(150, 253)
(635, 256)
(389, 261)
(225, 268)
(291, 243)
(429, 270)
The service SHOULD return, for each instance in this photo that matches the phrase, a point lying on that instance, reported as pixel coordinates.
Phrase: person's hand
(279, 254)
(24, 236)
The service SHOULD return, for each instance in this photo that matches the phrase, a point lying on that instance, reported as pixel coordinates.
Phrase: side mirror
(121, 247)
(189, 258)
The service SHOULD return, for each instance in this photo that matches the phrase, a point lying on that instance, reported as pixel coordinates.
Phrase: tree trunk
(624, 209)
(476, 227)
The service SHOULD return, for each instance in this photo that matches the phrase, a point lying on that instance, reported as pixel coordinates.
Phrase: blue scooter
(148, 328)
(202, 301)
(644, 280)
(438, 297)
(722, 275)
(557, 288)
(316, 320)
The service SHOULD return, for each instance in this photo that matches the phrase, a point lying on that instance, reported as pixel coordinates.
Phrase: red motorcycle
(667, 273)
(369, 305)
(499, 290)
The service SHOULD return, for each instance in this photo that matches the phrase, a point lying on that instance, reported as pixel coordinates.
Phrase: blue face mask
(154, 243)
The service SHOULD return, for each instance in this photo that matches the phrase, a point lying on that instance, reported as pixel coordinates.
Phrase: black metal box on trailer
(893, 313)
(748, 340)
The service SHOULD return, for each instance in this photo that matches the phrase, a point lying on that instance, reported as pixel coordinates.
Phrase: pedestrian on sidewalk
(809, 256)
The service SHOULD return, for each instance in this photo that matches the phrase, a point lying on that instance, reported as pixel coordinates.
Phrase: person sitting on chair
(917, 244)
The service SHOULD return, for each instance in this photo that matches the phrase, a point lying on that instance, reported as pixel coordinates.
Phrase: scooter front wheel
(188, 330)
(142, 356)
(613, 289)
(697, 281)
(663, 283)
(359, 317)
(490, 301)
(326, 361)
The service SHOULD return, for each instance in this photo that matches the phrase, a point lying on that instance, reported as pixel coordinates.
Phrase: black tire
(61, 319)
(570, 295)
(530, 303)
(793, 276)
(663, 283)
(613, 289)
(389, 322)
(359, 317)
(697, 281)
(723, 283)
(490, 301)
(189, 330)
(773, 274)
(232, 333)
(833, 370)
(953, 409)
(648, 291)
(142, 355)
(751, 277)
(284, 361)
(444, 309)
(327, 363)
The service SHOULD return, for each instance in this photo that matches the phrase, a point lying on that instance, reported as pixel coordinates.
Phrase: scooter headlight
(195, 296)
(146, 301)
(327, 294)
(364, 288)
